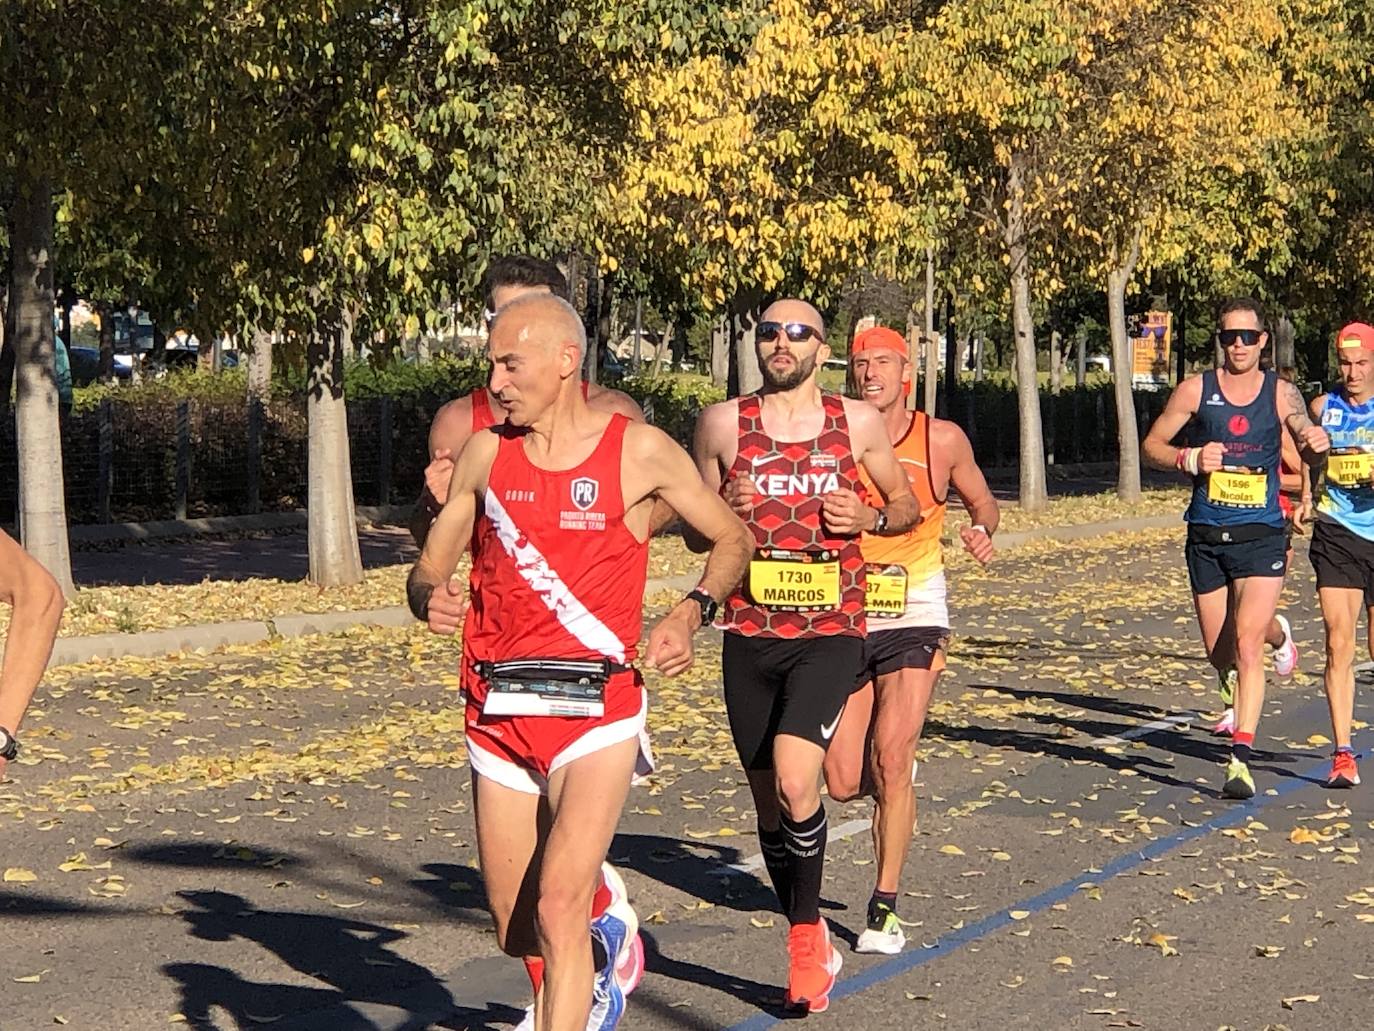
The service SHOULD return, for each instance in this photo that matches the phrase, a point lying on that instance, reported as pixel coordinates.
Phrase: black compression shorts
(775, 686)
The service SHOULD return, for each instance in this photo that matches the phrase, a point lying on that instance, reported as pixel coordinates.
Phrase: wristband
(982, 529)
(1189, 460)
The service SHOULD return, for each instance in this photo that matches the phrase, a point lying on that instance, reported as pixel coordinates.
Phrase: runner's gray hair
(567, 314)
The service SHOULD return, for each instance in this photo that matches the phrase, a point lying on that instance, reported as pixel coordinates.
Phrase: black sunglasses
(796, 331)
(1248, 337)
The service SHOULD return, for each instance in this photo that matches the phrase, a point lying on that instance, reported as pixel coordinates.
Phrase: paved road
(289, 840)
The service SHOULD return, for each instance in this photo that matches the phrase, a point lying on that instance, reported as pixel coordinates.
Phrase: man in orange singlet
(908, 621)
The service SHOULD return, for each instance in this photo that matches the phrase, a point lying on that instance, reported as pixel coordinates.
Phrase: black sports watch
(707, 603)
(9, 745)
(880, 524)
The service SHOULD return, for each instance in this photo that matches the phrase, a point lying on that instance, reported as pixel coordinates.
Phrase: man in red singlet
(507, 278)
(560, 498)
(794, 635)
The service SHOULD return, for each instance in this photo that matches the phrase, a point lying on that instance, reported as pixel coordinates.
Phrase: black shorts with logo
(1219, 556)
(908, 647)
(775, 686)
(1342, 558)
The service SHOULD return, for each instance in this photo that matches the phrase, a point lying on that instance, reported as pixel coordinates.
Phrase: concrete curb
(209, 636)
(165, 529)
(1083, 531)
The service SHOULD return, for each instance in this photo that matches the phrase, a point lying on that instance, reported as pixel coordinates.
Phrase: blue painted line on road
(1237, 812)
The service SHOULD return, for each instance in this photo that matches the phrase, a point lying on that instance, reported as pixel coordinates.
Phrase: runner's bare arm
(37, 603)
(451, 532)
(1182, 405)
(1311, 439)
(966, 478)
(669, 474)
(658, 468)
(714, 443)
(448, 433)
(873, 450)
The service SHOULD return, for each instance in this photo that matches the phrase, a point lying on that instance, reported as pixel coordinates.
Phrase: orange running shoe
(815, 962)
(1344, 773)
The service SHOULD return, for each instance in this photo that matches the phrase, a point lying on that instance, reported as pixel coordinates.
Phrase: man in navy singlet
(1237, 549)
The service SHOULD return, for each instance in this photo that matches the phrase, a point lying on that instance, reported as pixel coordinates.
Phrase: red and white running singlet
(560, 574)
(802, 581)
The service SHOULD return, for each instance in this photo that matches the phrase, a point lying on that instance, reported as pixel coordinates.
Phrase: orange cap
(1357, 334)
(876, 337)
(881, 338)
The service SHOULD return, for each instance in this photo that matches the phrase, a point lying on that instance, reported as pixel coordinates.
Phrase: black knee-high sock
(805, 840)
(775, 858)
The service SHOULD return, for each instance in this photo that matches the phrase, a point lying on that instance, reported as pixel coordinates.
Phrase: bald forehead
(536, 319)
(793, 310)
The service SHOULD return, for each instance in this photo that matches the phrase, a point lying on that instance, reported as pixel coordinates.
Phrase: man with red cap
(874, 748)
(1236, 549)
(1343, 538)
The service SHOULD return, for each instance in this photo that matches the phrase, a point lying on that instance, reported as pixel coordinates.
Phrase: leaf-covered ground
(135, 608)
(287, 829)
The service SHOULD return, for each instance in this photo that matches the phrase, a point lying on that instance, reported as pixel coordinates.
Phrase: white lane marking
(1181, 721)
(747, 867)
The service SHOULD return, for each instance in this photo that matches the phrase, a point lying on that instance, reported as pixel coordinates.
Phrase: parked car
(85, 364)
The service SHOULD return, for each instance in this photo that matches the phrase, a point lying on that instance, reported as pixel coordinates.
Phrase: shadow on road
(767, 998)
(694, 867)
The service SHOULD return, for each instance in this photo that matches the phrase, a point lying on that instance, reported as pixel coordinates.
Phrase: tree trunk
(1081, 370)
(591, 322)
(1285, 356)
(913, 355)
(664, 350)
(42, 506)
(105, 370)
(1033, 494)
(333, 529)
(744, 321)
(931, 356)
(260, 364)
(1128, 435)
(979, 348)
(1056, 362)
(720, 351)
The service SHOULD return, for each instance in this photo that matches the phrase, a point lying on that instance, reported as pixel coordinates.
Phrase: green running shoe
(883, 934)
(1239, 783)
(1226, 685)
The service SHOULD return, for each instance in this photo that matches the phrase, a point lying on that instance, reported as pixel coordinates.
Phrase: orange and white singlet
(906, 574)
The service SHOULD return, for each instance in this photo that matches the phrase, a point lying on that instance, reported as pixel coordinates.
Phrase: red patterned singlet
(802, 582)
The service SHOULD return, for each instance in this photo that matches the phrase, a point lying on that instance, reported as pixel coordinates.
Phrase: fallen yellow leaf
(951, 850)
(1288, 1002)
(18, 875)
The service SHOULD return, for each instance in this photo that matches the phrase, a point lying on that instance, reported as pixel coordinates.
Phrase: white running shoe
(1286, 654)
(1226, 726)
(888, 939)
(528, 1023)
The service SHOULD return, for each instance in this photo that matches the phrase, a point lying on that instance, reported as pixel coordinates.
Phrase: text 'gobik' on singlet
(802, 581)
(906, 574)
(561, 574)
(1347, 497)
(1245, 491)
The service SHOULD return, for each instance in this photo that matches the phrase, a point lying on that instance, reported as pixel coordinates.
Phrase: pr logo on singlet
(1239, 425)
(584, 491)
(1215, 399)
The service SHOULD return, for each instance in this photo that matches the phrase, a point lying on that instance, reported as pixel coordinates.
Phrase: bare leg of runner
(509, 826)
(1341, 613)
(586, 798)
(903, 700)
